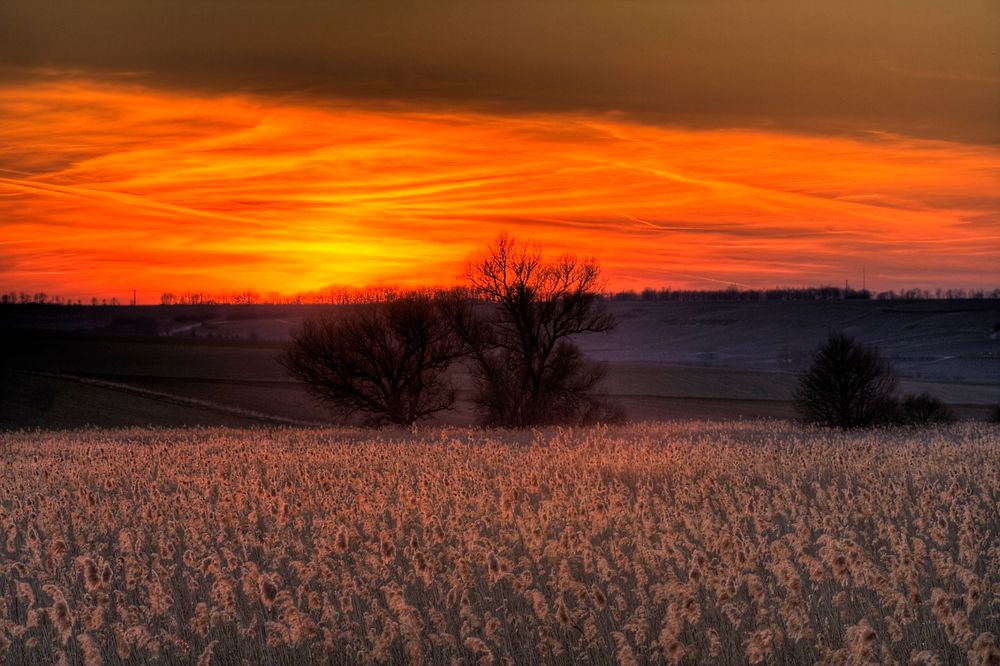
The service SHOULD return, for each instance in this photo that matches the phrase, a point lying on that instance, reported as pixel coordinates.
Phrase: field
(690, 542)
(217, 365)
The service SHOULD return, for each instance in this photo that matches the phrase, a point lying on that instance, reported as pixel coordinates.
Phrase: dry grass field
(691, 542)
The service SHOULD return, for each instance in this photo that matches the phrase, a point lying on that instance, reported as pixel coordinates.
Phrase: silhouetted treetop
(527, 369)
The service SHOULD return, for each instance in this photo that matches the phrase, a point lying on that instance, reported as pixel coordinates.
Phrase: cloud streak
(109, 187)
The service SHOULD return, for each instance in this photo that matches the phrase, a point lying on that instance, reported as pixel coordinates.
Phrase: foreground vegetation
(694, 542)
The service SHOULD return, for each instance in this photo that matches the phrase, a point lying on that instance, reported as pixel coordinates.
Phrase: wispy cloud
(115, 186)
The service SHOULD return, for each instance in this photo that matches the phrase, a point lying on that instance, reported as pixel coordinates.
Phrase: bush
(924, 410)
(383, 361)
(848, 385)
(601, 411)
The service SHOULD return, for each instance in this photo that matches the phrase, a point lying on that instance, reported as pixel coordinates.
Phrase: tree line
(347, 295)
(821, 293)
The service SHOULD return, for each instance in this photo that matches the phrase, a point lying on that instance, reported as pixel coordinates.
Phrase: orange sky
(106, 187)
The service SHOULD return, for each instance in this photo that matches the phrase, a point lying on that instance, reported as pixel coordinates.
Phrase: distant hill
(938, 339)
(955, 340)
(217, 365)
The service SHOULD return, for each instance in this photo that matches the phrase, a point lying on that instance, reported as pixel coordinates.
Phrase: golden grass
(683, 543)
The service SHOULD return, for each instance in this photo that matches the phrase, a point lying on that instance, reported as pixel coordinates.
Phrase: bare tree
(526, 368)
(383, 361)
(848, 385)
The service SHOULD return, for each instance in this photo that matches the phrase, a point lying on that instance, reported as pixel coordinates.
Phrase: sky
(216, 145)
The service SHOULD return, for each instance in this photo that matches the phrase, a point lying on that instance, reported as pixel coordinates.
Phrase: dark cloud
(919, 67)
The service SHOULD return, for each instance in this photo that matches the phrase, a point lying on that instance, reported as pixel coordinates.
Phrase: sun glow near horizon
(106, 187)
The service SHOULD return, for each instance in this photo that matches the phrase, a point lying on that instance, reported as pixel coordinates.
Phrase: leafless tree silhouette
(383, 361)
(526, 368)
(848, 385)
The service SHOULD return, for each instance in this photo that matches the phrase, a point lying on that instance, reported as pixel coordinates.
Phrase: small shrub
(600, 411)
(923, 410)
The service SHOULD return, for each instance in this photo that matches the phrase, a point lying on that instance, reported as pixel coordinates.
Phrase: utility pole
(133, 298)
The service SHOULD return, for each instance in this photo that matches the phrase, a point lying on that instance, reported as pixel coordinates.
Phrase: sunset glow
(105, 188)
